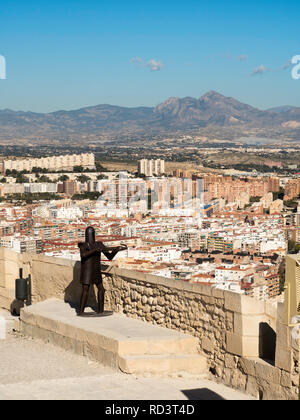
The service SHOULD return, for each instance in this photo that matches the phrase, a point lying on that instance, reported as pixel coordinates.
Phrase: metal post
(29, 299)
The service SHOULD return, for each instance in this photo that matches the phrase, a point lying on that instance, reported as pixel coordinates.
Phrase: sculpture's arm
(110, 253)
(85, 253)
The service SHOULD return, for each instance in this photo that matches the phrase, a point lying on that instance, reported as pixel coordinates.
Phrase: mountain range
(209, 113)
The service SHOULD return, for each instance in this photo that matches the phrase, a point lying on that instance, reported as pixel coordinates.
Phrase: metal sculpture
(91, 274)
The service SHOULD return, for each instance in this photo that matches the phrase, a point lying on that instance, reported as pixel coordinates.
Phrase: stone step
(163, 364)
(117, 341)
(8, 320)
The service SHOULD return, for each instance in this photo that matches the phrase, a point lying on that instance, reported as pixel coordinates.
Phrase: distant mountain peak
(212, 94)
(212, 111)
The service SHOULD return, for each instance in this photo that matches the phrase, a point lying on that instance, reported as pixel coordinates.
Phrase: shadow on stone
(202, 394)
(96, 315)
(267, 343)
(74, 290)
(16, 307)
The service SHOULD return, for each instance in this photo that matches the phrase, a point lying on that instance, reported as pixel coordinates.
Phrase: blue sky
(70, 54)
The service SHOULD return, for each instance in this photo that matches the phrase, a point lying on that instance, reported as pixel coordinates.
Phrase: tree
(255, 199)
(45, 178)
(99, 167)
(36, 170)
(278, 194)
(87, 196)
(291, 203)
(63, 178)
(83, 178)
(21, 179)
(78, 169)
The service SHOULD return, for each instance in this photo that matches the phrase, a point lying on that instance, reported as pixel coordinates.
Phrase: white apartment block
(151, 167)
(69, 213)
(43, 187)
(231, 274)
(52, 163)
(22, 245)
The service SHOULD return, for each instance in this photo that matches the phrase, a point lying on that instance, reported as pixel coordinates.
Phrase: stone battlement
(245, 341)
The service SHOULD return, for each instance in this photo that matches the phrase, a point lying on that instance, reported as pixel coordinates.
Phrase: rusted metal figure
(90, 252)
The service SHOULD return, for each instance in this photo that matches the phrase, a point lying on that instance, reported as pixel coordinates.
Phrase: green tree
(78, 168)
(93, 196)
(63, 178)
(21, 179)
(83, 178)
(99, 177)
(45, 178)
(255, 199)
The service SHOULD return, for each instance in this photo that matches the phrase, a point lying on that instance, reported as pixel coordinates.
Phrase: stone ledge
(246, 305)
(115, 341)
(160, 281)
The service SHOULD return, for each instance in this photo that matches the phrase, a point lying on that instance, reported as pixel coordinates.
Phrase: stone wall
(233, 330)
(228, 325)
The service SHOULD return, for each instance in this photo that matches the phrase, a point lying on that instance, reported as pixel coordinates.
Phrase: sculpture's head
(90, 235)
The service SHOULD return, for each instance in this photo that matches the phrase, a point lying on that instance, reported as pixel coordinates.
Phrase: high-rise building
(151, 167)
(70, 188)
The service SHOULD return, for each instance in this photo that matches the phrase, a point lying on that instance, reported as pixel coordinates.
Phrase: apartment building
(22, 244)
(41, 187)
(51, 163)
(189, 239)
(70, 188)
(292, 189)
(151, 167)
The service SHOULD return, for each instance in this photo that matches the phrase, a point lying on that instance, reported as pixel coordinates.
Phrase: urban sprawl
(230, 232)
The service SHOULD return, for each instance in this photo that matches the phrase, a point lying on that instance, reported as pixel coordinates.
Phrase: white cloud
(153, 64)
(260, 70)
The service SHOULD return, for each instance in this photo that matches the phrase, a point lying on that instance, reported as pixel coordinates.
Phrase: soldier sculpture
(90, 252)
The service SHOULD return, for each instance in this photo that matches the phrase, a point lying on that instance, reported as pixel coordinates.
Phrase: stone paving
(32, 370)
(115, 340)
